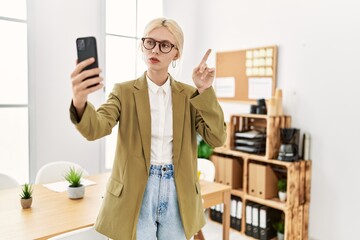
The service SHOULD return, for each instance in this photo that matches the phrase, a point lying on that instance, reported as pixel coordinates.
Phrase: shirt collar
(154, 88)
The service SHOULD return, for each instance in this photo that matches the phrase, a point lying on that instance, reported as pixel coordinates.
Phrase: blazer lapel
(178, 102)
(144, 116)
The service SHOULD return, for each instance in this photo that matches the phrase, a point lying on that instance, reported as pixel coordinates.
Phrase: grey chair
(7, 181)
(55, 171)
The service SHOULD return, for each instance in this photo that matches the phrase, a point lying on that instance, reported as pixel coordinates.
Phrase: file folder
(233, 210)
(221, 213)
(248, 217)
(255, 221)
(213, 213)
(268, 216)
(218, 214)
(238, 214)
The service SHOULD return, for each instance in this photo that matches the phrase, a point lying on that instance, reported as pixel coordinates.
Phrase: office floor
(213, 231)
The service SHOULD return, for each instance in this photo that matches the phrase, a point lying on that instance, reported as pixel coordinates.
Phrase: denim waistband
(166, 170)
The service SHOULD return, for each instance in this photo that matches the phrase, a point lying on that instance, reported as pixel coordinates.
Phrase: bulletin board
(246, 75)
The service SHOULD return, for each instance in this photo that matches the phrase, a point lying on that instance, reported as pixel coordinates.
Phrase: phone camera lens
(81, 44)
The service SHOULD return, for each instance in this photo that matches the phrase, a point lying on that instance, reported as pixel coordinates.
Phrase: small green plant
(73, 176)
(279, 227)
(204, 149)
(26, 191)
(282, 185)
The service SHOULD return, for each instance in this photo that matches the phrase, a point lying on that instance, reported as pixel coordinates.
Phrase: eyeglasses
(164, 46)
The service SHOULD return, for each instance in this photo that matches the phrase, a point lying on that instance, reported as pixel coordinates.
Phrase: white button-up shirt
(161, 122)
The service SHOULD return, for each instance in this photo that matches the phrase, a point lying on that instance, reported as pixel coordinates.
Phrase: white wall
(318, 62)
(53, 27)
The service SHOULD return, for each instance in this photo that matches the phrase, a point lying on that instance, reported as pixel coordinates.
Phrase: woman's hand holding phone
(81, 89)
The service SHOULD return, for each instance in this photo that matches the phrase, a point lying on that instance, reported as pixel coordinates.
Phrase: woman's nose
(156, 49)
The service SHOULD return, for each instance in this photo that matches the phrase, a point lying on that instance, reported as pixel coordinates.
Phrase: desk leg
(226, 215)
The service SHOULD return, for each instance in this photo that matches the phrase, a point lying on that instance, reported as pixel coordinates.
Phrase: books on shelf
(250, 141)
(236, 213)
(250, 134)
(260, 220)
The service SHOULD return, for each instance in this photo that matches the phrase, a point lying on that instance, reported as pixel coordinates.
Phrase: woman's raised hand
(81, 89)
(203, 76)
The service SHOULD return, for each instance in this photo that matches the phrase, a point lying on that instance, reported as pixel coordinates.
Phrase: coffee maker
(289, 148)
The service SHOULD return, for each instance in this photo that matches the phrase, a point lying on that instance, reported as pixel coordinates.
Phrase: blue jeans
(159, 215)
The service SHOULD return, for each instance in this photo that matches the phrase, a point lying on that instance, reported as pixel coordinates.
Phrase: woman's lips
(154, 60)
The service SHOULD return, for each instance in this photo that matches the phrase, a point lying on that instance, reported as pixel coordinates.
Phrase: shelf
(234, 153)
(227, 151)
(262, 116)
(274, 203)
(272, 161)
(237, 192)
(297, 174)
(249, 115)
(270, 125)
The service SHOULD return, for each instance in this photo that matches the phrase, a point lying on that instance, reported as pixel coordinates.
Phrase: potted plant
(204, 152)
(204, 149)
(282, 189)
(75, 190)
(26, 195)
(280, 229)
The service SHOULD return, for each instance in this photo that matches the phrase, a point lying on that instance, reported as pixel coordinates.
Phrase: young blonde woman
(153, 192)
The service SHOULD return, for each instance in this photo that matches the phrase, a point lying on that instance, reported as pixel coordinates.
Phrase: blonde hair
(173, 28)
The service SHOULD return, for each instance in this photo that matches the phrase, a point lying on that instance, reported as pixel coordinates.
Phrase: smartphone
(86, 48)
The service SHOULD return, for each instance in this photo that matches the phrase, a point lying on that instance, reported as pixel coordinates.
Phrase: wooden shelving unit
(296, 207)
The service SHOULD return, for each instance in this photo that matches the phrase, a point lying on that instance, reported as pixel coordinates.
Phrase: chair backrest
(207, 169)
(7, 182)
(55, 171)
(80, 234)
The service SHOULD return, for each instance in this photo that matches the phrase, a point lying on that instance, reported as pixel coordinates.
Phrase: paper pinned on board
(225, 87)
(260, 87)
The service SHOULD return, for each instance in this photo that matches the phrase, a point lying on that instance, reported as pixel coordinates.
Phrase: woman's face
(154, 58)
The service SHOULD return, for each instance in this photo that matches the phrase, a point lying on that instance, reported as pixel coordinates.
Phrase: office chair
(207, 172)
(7, 182)
(207, 169)
(55, 171)
(88, 233)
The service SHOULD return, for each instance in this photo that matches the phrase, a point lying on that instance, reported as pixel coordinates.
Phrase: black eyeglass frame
(145, 38)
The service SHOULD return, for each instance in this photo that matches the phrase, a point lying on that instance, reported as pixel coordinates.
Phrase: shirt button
(164, 169)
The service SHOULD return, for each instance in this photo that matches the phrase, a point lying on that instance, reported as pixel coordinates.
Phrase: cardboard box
(229, 171)
(262, 181)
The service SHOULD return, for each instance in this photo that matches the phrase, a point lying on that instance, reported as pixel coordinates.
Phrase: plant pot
(26, 203)
(280, 236)
(282, 196)
(76, 192)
